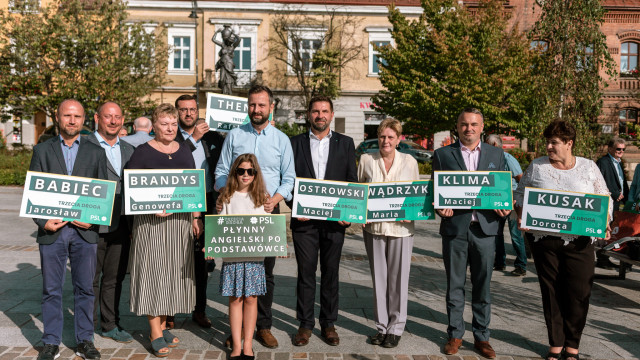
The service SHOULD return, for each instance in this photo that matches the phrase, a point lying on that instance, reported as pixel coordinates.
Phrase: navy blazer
(449, 158)
(610, 175)
(91, 162)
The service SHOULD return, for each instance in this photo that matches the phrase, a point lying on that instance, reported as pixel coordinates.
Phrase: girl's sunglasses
(242, 171)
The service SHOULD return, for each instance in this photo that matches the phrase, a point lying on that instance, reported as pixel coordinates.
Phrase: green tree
(568, 70)
(78, 49)
(451, 58)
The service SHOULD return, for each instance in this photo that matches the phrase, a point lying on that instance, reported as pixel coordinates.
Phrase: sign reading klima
(473, 190)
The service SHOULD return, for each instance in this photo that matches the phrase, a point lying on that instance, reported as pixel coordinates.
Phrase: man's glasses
(620, 149)
(191, 110)
(242, 171)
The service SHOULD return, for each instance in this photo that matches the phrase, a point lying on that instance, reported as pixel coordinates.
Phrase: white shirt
(319, 153)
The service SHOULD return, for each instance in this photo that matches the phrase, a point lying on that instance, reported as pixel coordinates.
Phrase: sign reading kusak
(473, 190)
(152, 191)
(52, 196)
(406, 200)
(330, 200)
(232, 236)
(565, 212)
(225, 112)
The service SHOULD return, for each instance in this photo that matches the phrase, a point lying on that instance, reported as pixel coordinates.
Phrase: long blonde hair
(257, 188)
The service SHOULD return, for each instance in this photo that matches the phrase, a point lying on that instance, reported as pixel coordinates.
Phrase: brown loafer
(452, 346)
(330, 336)
(171, 322)
(229, 342)
(485, 349)
(264, 337)
(302, 337)
(201, 319)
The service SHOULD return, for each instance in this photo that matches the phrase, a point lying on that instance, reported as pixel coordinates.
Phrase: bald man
(142, 127)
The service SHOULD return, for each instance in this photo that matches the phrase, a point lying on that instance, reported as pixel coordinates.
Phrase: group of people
(251, 171)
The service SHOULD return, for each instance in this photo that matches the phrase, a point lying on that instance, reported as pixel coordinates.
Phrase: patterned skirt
(161, 265)
(244, 278)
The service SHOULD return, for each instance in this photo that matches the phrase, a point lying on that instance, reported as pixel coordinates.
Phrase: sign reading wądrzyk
(225, 112)
(231, 236)
(152, 191)
(473, 190)
(406, 200)
(565, 212)
(330, 200)
(52, 196)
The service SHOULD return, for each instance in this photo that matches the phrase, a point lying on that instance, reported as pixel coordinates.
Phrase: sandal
(569, 356)
(170, 339)
(553, 356)
(159, 344)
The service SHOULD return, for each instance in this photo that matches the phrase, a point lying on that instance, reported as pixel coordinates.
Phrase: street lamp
(194, 16)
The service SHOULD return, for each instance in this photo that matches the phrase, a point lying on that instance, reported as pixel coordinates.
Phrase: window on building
(627, 119)
(242, 55)
(378, 36)
(375, 56)
(539, 45)
(628, 58)
(303, 45)
(584, 58)
(182, 54)
(306, 49)
(24, 5)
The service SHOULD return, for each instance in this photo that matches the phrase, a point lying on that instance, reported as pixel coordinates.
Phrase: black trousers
(111, 268)
(326, 239)
(265, 317)
(565, 273)
(199, 263)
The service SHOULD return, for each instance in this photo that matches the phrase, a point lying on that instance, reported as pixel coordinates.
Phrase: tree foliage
(78, 49)
(569, 69)
(338, 46)
(451, 58)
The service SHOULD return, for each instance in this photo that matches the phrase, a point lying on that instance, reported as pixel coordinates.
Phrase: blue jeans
(518, 244)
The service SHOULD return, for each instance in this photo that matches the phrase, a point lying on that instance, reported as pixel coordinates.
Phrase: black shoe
(391, 341)
(211, 265)
(50, 352)
(87, 350)
(498, 268)
(377, 339)
(519, 272)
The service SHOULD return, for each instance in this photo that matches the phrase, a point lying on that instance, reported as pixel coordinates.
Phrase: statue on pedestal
(230, 40)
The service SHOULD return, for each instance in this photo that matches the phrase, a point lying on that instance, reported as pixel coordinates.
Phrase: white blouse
(585, 177)
(404, 168)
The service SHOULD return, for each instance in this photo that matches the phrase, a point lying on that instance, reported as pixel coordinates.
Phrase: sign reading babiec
(232, 236)
(330, 200)
(174, 191)
(473, 190)
(565, 212)
(406, 200)
(225, 112)
(52, 196)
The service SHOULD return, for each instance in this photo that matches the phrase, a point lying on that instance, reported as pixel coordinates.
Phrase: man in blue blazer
(59, 241)
(468, 236)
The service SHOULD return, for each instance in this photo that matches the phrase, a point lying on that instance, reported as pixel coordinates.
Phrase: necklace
(163, 151)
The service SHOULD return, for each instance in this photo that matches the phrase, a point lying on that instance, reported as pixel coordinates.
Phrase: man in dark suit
(59, 241)
(611, 168)
(468, 236)
(113, 246)
(325, 155)
(205, 147)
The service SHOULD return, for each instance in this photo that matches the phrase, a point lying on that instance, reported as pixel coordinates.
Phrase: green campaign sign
(473, 190)
(630, 206)
(225, 112)
(152, 191)
(565, 212)
(404, 200)
(330, 200)
(232, 236)
(52, 196)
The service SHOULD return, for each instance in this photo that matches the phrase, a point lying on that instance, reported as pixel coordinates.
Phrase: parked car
(406, 146)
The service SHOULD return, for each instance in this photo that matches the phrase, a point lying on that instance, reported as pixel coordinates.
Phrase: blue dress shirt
(113, 152)
(273, 150)
(70, 153)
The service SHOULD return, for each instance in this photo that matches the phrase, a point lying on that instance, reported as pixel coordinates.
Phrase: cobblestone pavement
(517, 324)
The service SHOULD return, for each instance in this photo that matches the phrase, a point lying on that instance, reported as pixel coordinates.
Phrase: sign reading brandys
(232, 236)
(52, 196)
(473, 190)
(565, 212)
(330, 200)
(225, 112)
(152, 191)
(406, 200)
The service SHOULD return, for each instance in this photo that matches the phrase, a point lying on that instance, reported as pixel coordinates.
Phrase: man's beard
(264, 119)
(69, 133)
(319, 128)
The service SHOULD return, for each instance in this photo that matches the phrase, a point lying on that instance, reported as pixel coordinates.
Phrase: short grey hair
(494, 140)
(615, 141)
(142, 123)
(471, 110)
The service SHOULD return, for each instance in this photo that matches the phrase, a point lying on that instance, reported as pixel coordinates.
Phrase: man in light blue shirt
(142, 127)
(273, 150)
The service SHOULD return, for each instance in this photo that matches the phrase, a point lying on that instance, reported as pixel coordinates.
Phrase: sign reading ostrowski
(565, 212)
(51, 196)
(330, 200)
(407, 200)
(473, 190)
(225, 112)
(232, 236)
(152, 191)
